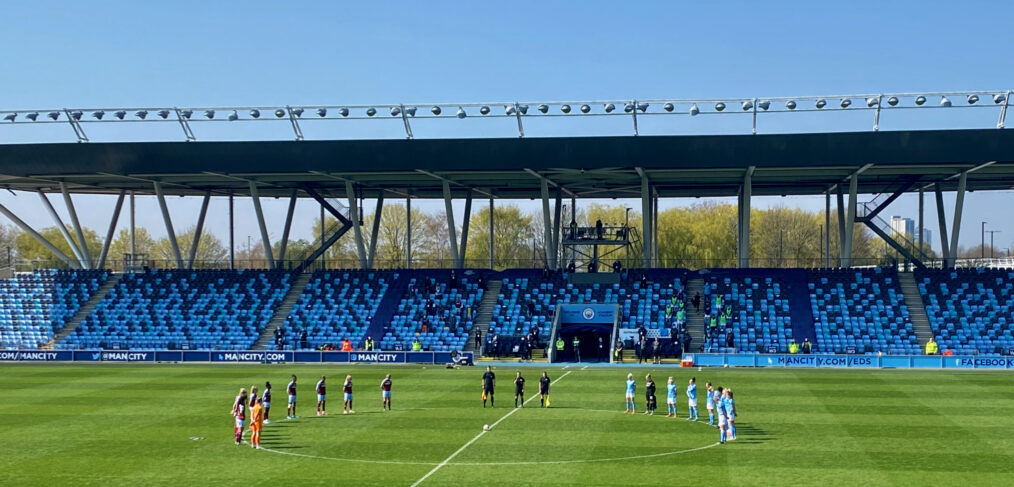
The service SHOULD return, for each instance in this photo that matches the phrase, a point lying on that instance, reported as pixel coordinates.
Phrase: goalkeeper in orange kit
(256, 423)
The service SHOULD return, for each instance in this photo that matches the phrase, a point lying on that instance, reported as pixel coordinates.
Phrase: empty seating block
(971, 311)
(760, 314)
(336, 305)
(860, 308)
(448, 318)
(195, 309)
(527, 302)
(33, 306)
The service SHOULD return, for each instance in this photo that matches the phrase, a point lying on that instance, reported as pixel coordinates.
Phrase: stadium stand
(860, 311)
(191, 309)
(34, 306)
(756, 307)
(333, 306)
(437, 308)
(970, 310)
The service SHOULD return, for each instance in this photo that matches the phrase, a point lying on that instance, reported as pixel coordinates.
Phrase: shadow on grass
(750, 434)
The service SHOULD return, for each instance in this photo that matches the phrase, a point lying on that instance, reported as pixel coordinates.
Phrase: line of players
(260, 406)
(716, 399)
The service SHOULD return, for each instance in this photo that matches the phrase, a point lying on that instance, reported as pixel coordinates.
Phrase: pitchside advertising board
(853, 361)
(235, 356)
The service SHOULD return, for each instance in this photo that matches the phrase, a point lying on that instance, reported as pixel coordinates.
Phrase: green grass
(131, 425)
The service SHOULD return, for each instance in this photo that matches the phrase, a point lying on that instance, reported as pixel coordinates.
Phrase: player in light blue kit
(730, 413)
(670, 398)
(723, 419)
(630, 394)
(692, 399)
(709, 401)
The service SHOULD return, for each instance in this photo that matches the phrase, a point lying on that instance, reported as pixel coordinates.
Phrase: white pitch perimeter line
(481, 433)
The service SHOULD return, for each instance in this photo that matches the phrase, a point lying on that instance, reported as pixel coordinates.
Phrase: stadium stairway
(916, 308)
(485, 313)
(84, 311)
(695, 319)
(282, 312)
(388, 306)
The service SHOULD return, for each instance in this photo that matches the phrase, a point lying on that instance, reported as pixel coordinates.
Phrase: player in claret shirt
(266, 397)
(238, 411)
(321, 397)
(385, 393)
(347, 399)
(290, 412)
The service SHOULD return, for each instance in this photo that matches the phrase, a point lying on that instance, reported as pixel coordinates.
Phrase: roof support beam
(77, 227)
(283, 245)
(547, 223)
(451, 181)
(551, 182)
(945, 245)
(168, 224)
(196, 241)
(111, 233)
(39, 238)
(265, 238)
(63, 228)
(375, 232)
(464, 229)
(357, 222)
(959, 206)
(451, 230)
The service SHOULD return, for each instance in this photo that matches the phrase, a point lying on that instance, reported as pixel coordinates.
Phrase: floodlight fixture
(371, 112)
(643, 107)
(461, 113)
(944, 102)
(764, 104)
(255, 113)
(609, 107)
(343, 111)
(973, 99)
(120, 114)
(10, 117)
(523, 109)
(233, 116)
(585, 108)
(998, 98)
(322, 112)
(694, 110)
(719, 106)
(54, 115)
(872, 101)
(435, 109)
(892, 101)
(142, 114)
(298, 112)
(629, 107)
(210, 114)
(484, 110)
(32, 116)
(510, 110)
(747, 105)
(411, 111)
(919, 100)
(279, 113)
(187, 114)
(543, 108)
(821, 103)
(98, 114)
(164, 114)
(395, 111)
(565, 108)
(668, 107)
(846, 102)
(791, 104)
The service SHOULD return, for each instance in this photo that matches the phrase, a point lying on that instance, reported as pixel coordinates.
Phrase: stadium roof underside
(584, 167)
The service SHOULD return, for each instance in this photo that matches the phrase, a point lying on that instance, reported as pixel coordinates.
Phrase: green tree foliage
(30, 249)
(512, 232)
(143, 244)
(210, 251)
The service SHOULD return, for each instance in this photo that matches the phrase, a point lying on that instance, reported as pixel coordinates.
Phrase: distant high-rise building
(927, 237)
(903, 226)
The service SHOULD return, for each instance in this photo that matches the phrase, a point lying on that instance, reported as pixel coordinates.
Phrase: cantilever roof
(594, 167)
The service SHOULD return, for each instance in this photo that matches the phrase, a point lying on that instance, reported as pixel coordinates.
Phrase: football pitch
(111, 424)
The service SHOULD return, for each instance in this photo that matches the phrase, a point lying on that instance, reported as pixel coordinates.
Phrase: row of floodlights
(510, 110)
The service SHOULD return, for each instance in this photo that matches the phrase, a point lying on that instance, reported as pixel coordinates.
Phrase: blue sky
(128, 53)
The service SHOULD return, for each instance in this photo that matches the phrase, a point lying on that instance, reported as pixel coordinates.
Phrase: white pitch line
(481, 433)
(585, 367)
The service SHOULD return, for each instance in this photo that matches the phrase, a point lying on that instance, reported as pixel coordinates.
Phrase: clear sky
(185, 53)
